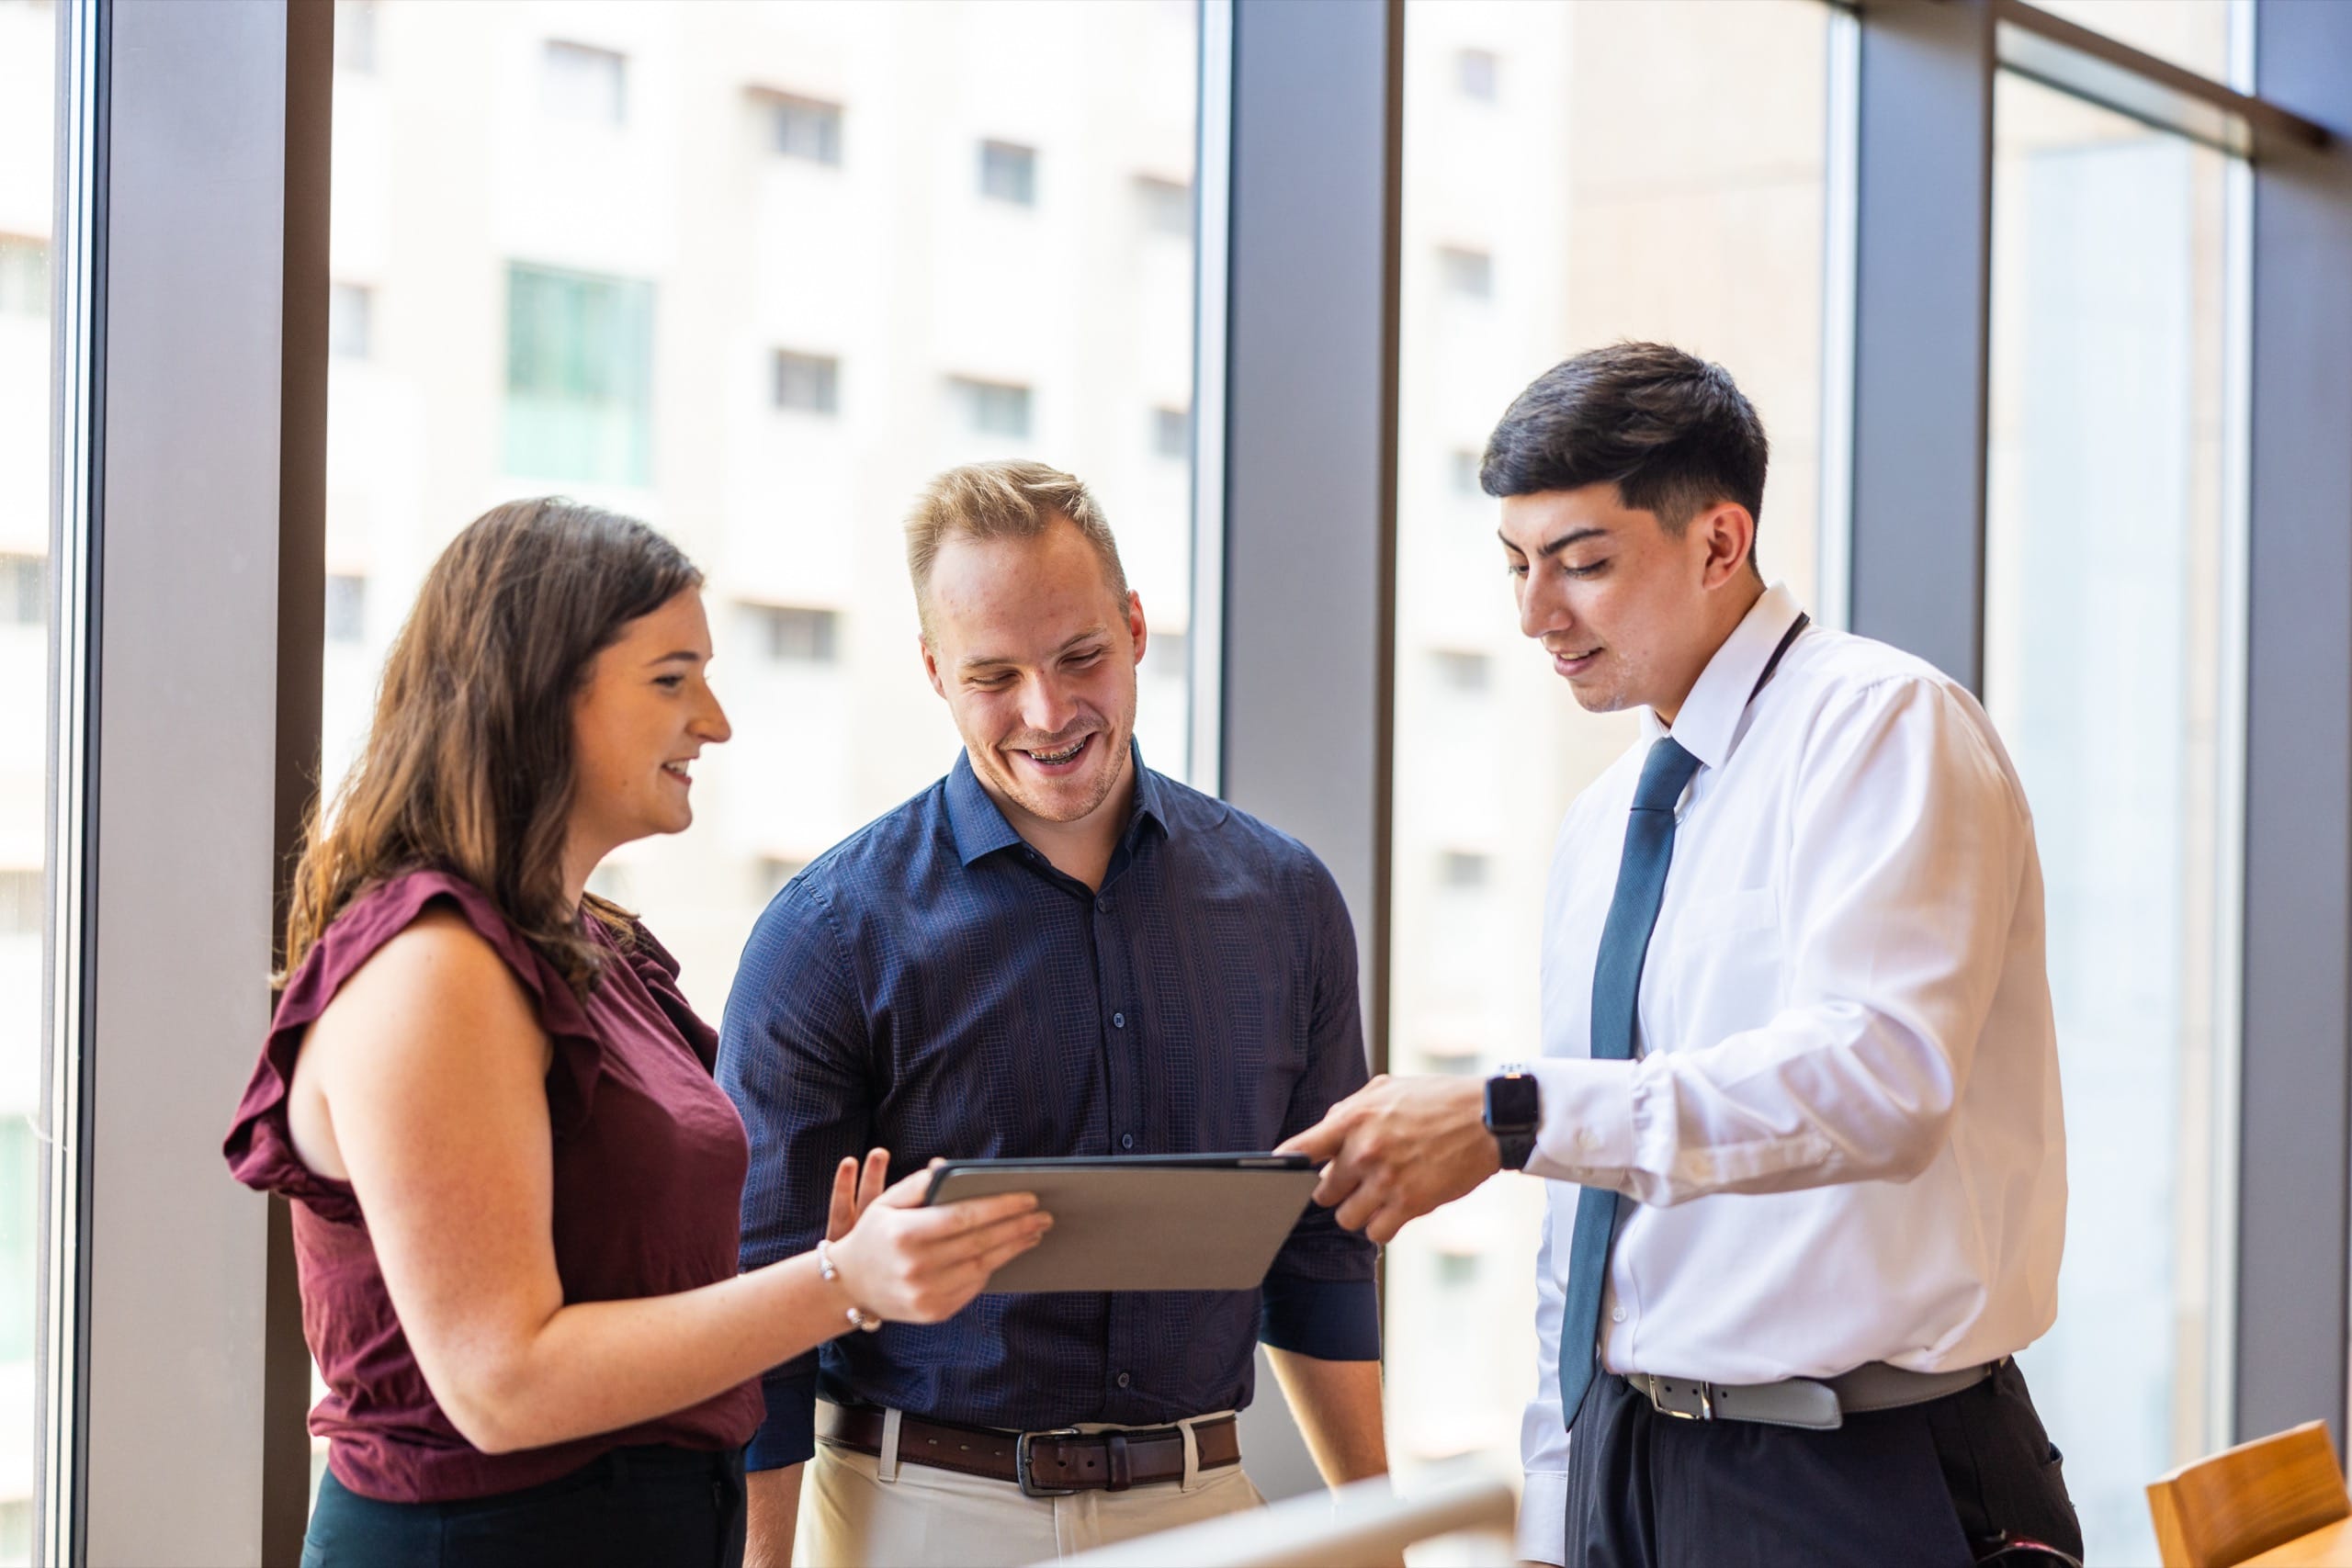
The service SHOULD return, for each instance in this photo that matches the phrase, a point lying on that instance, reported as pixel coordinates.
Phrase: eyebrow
(983, 660)
(676, 656)
(1573, 537)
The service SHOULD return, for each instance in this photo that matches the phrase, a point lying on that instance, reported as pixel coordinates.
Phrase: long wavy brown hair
(468, 765)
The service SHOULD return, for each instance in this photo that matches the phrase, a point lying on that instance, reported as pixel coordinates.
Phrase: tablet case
(1188, 1223)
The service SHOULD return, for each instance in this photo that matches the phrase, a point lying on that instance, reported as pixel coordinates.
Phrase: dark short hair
(1672, 431)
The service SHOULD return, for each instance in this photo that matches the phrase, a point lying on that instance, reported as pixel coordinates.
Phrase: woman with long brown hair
(515, 1186)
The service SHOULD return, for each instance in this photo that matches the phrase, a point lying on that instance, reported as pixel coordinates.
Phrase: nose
(710, 726)
(1543, 608)
(1046, 707)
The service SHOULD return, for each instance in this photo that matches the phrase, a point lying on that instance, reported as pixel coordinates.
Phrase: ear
(931, 665)
(1727, 534)
(1136, 631)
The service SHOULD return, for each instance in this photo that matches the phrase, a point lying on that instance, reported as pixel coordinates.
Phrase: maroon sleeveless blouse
(649, 1159)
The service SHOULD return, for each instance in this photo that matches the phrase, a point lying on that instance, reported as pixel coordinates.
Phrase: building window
(1009, 172)
(355, 36)
(793, 634)
(1476, 74)
(581, 82)
(1164, 655)
(24, 277)
(808, 128)
(992, 408)
(351, 320)
(579, 376)
(1468, 274)
(810, 383)
(346, 607)
(24, 590)
(1462, 869)
(1460, 671)
(1171, 432)
(20, 903)
(1457, 1270)
(1167, 206)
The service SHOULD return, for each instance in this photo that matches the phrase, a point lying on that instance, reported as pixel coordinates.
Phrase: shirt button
(1589, 1139)
(1126, 1141)
(1104, 904)
(1118, 1021)
(1124, 1379)
(1617, 1315)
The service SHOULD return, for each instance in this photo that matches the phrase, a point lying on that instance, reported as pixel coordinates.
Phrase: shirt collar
(1708, 726)
(979, 826)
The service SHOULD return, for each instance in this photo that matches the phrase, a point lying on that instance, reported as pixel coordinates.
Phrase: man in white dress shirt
(1798, 1097)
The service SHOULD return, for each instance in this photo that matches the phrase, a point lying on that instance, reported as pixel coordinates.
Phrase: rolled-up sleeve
(793, 1055)
(1319, 1299)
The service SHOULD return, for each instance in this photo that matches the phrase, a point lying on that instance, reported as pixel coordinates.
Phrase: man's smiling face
(1035, 654)
(1620, 603)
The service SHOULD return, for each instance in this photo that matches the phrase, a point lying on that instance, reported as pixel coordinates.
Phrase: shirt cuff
(1331, 1320)
(1543, 1517)
(1587, 1134)
(788, 1436)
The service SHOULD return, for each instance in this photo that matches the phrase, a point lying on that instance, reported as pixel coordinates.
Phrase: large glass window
(1562, 190)
(27, 195)
(754, 273)
(2114, 671)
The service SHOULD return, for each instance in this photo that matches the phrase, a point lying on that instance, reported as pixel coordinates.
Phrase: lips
(678, 771)
(1574, 665)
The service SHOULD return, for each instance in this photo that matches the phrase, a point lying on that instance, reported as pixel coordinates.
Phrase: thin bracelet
(858, 1317)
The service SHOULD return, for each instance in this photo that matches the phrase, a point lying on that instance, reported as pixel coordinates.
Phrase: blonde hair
(1009, 498)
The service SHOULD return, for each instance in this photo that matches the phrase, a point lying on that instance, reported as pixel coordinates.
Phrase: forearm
(598, 1366)
(773, 1503)
(1336, 1405)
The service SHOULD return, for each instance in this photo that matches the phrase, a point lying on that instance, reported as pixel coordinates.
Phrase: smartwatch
(1514, 1110)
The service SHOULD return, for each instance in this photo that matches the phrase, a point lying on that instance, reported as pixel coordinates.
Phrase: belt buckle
(1706, 1411)
(1020, 1463)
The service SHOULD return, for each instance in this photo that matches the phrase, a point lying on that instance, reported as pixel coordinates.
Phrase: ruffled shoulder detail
(653, 964)
(260, 1145)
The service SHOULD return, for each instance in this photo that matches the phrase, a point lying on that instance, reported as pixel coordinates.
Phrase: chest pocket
(1724, 971)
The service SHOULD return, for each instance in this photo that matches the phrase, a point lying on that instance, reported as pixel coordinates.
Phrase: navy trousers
(639, 1507)
(1930, 1485)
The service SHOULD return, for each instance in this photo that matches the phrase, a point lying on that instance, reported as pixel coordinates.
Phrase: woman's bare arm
(431, 1070)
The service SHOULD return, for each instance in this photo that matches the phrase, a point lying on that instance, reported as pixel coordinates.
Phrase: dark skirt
(641, 1507)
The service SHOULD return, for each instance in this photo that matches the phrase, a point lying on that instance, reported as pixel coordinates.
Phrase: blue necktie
(1616, 988)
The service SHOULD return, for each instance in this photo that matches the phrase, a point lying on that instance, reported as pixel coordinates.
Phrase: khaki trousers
(925, 1518)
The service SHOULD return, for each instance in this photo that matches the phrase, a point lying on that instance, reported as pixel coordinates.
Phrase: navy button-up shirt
(932, 984)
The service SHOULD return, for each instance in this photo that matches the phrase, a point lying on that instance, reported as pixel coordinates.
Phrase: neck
(581, 858)
(1079, 850)
(1741, 597)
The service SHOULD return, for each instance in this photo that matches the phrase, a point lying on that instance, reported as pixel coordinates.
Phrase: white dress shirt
(1842, 1125)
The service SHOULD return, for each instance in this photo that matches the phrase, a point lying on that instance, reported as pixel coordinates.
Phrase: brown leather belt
(1052, 1463)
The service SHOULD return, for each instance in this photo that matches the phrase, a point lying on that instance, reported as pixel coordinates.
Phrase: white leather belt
(1819, 1404)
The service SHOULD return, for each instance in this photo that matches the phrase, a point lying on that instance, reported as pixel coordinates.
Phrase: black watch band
(1514, 1110)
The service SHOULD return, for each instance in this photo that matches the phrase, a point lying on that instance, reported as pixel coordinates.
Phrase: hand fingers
(947, 1247)
(996, 1257)
(907, 1192)
(872, 1179)
(1339, 1181)
(841, 1213)
(973, 1214)
(1358, 1209)
(1319, 1142)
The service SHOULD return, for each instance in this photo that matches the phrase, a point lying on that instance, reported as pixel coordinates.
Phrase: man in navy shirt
(1052, 951)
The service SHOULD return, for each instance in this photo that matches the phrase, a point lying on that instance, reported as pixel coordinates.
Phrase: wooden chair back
(2226, 1507)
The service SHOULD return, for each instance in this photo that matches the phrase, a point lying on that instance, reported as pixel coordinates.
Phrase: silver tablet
(1145, 1222)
